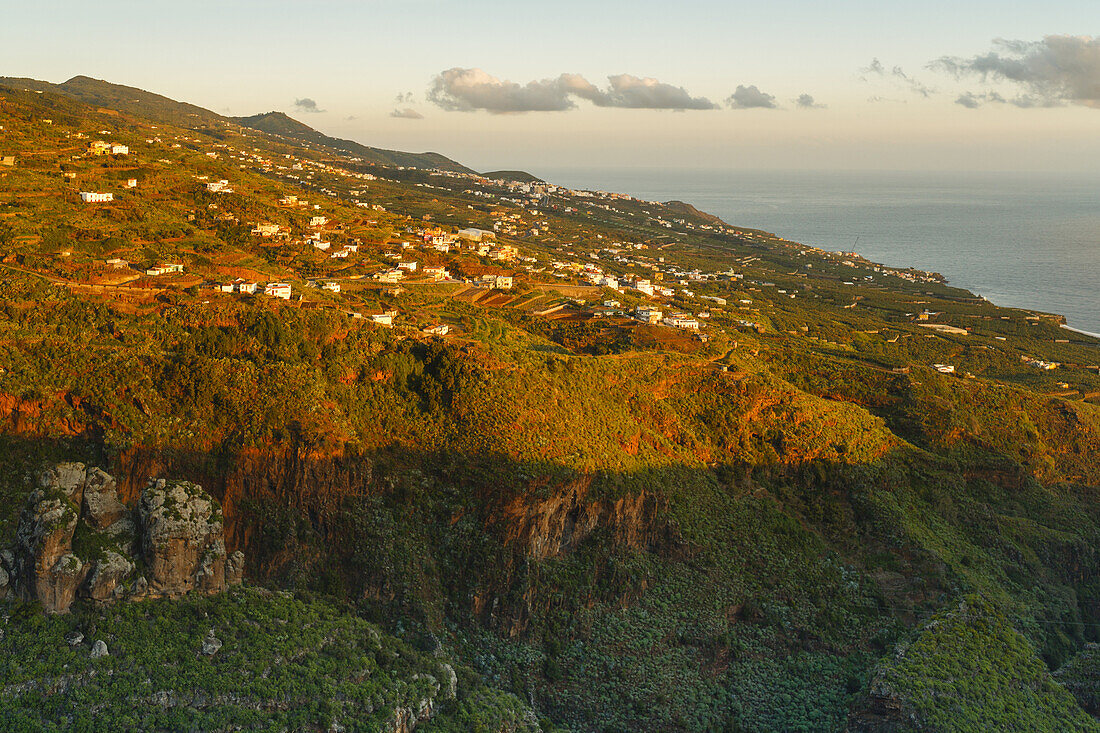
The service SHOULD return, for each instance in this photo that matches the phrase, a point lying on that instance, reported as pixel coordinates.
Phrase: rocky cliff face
(76, 539)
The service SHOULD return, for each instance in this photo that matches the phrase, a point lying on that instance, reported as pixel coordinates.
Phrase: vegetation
(610, 525)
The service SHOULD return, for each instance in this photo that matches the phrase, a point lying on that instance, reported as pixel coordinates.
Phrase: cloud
(633, 92)
(969, 100)
(466, 90)
(1053, 71)
(896, 75)
(806, 101)
(749, 97)
(305, 104)
(407, 114)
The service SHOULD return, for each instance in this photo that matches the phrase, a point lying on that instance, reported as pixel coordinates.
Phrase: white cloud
(807, 101)
(305, 104)
(466, 90)
(749, 97)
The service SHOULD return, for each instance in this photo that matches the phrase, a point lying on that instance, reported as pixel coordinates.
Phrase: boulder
(56, 589)
(123, 534)
(183, 542)
(67, 478)
(140, 589)
(234, 568)
(105, 581)
(99, 649)
(44, 538)
(7, 572)
(211, 644)
(101, 505)
(74, 638)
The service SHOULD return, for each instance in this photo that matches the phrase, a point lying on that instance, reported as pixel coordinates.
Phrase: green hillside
(157, 108)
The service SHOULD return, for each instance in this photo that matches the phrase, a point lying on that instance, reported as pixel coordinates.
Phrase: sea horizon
(1022, 239)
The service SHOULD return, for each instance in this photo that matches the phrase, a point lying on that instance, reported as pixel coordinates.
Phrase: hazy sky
(972, 84)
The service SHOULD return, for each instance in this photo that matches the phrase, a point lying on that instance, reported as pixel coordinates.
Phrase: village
(309, 229)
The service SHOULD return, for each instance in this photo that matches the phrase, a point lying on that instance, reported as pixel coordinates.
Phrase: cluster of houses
(101, 147)
(247, 287)
(1045, 366)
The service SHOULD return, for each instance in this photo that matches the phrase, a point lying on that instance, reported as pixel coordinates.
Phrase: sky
(784, 84)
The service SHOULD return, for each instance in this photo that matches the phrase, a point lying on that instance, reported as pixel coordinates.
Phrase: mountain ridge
(282, 124)
(159, 108)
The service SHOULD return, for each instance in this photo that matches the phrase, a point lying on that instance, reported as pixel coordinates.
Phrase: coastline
(1083, 333)
(1028, 240)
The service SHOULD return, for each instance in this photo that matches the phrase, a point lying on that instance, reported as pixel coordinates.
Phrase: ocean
(1021, 240)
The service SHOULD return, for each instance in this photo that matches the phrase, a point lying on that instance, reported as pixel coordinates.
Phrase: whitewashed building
(278, 290)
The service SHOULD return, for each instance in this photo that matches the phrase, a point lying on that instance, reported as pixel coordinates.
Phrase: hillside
(634, 466)
(518, 176)
(248, 660)
(277, 123)
(157, 108)
(130, 100)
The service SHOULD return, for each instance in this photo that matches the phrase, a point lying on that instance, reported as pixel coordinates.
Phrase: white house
(410, 266)
(317, 221)
(90, 197)
(131, 183)
(278, 290)
(503, 282)
(383, 319)
(681, 321)
(244, 286)
(120, 150)
(164, 269)
(322, 245)
(389, 276)
(333, 286)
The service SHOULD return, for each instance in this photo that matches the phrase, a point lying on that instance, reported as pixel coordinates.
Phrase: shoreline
(1083, 333)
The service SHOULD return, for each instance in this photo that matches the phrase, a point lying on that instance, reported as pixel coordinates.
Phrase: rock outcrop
(182, 539)
(76, 539)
